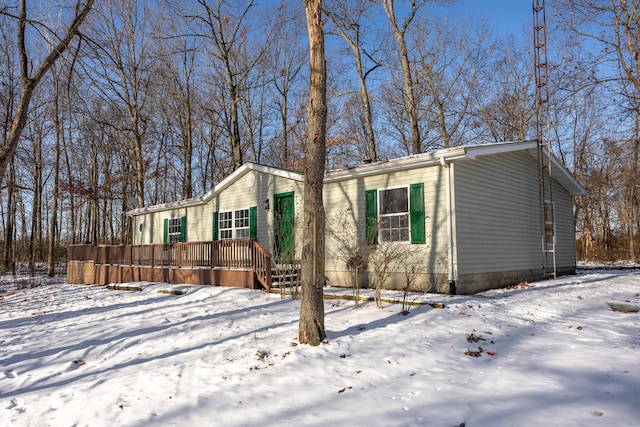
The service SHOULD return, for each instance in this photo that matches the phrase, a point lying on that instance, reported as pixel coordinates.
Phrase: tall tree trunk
(399, 33)
(51, 250)
(368, 120)
(236, 149)
(311, 326)
(631, 202)
(284, 117)
(36, 208)
(347, 22)
(73, 215)
(9, 248)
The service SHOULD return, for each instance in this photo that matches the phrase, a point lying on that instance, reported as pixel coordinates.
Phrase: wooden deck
(238, 263)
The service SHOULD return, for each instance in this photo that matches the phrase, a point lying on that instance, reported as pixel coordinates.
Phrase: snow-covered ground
(551, 353)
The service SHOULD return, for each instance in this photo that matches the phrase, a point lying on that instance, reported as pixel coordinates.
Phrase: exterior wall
(344, 202)
(239, 195)
(153, 226)
(498, 226)
(495, 207)
(565, 230)
(245, 192)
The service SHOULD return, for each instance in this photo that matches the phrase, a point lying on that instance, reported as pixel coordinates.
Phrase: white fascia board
(427, 159)
(381, 167)
(566, 178)
(474, 151)
(222, 185)
(560, 171)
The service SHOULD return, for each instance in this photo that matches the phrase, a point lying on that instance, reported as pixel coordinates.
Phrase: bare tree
(311, 327)
(286, 57)
(124, 56)
(226, 24)
(504, 102)
(383, 260)
(351, 247)
(179, 108)
(29, 80)
(400, 29)
(348, 21)
(608, 39)
(452, 63)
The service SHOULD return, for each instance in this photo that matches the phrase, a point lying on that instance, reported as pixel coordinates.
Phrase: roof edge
(222, 185)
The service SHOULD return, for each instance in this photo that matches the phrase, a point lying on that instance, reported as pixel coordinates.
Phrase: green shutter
(214, 228)
(371, 213)
(183, 229)
(253, 223)
(416, 202)
(166, 231)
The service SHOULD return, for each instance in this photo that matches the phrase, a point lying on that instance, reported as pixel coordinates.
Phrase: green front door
(284, 227)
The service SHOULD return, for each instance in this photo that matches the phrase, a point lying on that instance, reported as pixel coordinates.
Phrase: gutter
(451, 272)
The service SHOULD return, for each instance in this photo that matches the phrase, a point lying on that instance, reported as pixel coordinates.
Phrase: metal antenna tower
(547, 210)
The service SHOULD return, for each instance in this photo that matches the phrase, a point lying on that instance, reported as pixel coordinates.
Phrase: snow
(552, 353)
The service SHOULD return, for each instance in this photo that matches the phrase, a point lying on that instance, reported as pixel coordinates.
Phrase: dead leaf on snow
(474, 338)
(474, 353)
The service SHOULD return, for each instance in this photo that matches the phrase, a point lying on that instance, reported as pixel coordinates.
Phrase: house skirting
(88, 272)
(472, 283)
(423, 282)
(466, 284)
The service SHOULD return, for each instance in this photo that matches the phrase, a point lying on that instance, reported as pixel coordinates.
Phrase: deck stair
(285, 275)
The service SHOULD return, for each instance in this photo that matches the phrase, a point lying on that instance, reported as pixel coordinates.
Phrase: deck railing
(226, 254)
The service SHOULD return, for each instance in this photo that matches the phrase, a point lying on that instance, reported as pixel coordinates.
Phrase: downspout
(451, 274)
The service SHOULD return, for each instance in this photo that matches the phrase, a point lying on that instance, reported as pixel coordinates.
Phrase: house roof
(456, 154)
(221, 186)
(448, 155)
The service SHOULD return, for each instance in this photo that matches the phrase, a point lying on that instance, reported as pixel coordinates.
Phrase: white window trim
(381, 216)
(234, 232)
(175, 230)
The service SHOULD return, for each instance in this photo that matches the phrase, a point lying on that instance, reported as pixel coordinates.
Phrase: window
(395, 215)
(234, 224)
(241, 223)
(393, 223)
(225, 225)
(175, 230)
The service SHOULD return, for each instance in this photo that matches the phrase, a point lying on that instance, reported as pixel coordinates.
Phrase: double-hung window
(395, 214)
(175, 230)
(235, 224)
(393, 225)
(225, 225)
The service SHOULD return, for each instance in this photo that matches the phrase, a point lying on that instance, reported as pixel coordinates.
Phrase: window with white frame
(234, 224)
(175, 230)
(393, 223)
(241, 223)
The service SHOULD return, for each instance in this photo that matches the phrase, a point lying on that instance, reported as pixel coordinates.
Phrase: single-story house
(462, 219)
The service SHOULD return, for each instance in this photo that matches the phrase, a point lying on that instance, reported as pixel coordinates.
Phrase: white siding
(498, 216)
(340, 195)
(238, 195)
(565, 230)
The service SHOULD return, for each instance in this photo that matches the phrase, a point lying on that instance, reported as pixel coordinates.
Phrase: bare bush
(351, 247)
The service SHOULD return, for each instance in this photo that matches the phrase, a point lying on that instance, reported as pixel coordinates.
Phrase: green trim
(371, 214)
(214, 227)
(166, 231)
(253, 223)
(416, 213)
(183, 229)
(284, 226)
(288, 193)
